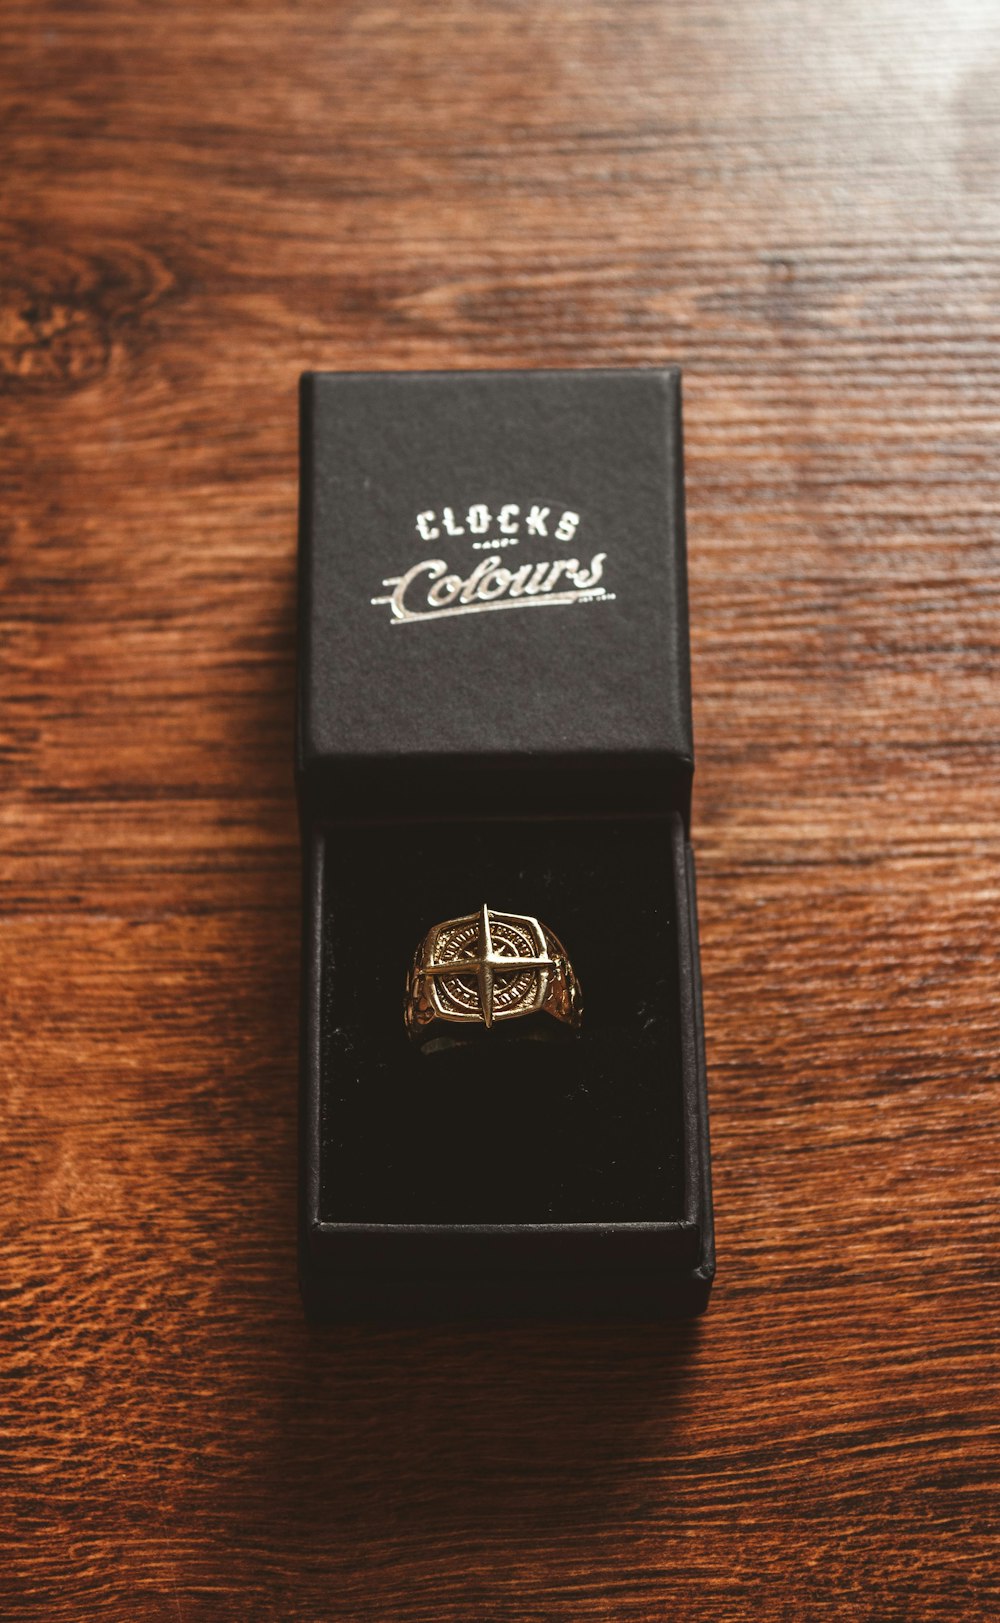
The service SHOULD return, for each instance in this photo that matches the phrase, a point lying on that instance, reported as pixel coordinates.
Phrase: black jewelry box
(494, 707)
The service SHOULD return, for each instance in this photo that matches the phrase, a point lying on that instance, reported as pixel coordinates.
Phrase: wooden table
(799, 202)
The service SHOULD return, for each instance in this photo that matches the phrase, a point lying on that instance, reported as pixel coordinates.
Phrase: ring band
(488, 968)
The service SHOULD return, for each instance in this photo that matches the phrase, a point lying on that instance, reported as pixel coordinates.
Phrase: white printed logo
(431, 590)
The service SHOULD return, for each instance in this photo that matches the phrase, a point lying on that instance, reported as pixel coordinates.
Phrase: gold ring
(488, 968)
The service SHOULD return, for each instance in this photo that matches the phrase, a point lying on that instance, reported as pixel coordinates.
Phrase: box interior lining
(507, 1129)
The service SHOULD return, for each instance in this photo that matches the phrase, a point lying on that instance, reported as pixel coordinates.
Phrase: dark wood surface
(800, 202)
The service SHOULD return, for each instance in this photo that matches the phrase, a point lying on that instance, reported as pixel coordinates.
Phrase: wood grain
(801, 204)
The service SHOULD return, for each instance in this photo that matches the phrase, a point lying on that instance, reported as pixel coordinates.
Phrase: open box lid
(493, 613)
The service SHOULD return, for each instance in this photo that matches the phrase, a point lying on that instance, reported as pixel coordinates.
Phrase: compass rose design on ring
(489, 967)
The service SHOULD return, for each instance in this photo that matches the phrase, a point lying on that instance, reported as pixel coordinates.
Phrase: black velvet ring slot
(503, 1130)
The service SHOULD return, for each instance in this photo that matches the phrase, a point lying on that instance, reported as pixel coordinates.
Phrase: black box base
(508, 1178)
(431, 1301)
